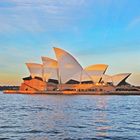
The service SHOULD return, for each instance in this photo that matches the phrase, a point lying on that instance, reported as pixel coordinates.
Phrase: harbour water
(67, 117)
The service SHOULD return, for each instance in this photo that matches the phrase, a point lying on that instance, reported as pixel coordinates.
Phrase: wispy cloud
(134, 23)
(50, 2)
(39, 15)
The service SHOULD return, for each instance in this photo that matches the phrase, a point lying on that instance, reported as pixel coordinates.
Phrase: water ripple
(25, 117)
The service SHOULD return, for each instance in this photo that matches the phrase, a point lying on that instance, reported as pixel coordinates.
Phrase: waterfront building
(66, 74)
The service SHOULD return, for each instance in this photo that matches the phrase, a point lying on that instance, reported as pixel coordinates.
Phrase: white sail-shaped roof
(118, 78)
(96, 71)
(35, 69)
(50, 68)
(107, 78)
(115, 79)
(81, 77)
(68, 65)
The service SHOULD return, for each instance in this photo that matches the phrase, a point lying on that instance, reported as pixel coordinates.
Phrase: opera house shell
(66, 74)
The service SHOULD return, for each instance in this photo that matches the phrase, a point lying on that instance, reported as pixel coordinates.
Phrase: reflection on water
(102, 123)
(69, 117)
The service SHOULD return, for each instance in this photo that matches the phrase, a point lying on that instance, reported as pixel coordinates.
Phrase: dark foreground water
(43, 117)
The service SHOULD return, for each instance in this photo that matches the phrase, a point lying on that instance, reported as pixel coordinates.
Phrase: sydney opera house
(65, 75)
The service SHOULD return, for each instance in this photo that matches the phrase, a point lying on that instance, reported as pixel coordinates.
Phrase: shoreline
(71, 92)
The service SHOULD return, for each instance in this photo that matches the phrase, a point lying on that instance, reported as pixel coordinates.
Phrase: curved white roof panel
(68, 65)
(96, 71)
(118, 78)
(106, 78)
(50, 68)
(115, 79)
(97, 67)
(49, 62)
(35, 69)
(81, 76)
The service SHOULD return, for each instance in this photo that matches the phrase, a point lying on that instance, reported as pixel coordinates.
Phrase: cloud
(38, 16)
(48, 15)
(134, 23)
(50, 2)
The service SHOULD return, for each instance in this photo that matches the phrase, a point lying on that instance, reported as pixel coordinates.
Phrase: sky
(94, 31)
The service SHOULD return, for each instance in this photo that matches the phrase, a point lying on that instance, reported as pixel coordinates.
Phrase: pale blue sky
(94, 31)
